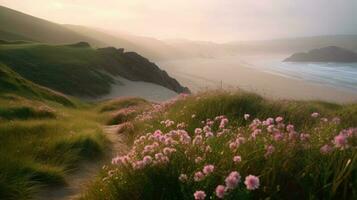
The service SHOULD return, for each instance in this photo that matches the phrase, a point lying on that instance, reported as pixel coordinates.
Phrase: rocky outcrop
(133, 66)
(326, 54)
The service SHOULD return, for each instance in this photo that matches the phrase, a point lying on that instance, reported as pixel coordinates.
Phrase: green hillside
(80, 70)
(12, 83)
(19, 26)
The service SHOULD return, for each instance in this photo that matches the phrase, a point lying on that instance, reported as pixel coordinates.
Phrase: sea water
(339, 75)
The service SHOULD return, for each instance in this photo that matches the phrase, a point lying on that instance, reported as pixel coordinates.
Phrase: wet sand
(202, 74)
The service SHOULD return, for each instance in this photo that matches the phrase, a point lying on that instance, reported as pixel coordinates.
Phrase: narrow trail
(77, 181)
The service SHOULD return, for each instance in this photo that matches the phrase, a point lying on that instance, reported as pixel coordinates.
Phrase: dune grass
(175, 163)
(42, 141)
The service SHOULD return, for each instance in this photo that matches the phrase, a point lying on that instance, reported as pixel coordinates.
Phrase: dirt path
(78, 180)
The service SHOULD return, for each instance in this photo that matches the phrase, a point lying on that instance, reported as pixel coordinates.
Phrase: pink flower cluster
(268, 136)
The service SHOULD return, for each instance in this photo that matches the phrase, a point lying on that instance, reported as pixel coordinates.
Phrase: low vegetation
(236, 145)
(42, 142)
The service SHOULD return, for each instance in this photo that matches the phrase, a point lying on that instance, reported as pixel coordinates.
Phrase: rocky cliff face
(133, 66)
(326, 54)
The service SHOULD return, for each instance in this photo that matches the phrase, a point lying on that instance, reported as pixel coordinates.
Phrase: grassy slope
(65, 68)
(13, 83)
(43, 136)
(80, 70)
(20, 26)
(293, 172)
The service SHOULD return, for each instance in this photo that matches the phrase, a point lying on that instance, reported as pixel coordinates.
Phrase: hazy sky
(216, 20)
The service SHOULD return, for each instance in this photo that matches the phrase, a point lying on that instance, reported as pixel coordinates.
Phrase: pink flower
(269, 150)
(208, 149)
(246, 116)
(209, 134)
(270, 128)
(237, 159)
(223, 123)
(340, 141)
(183, 177)
(336, 120)
(233, 145)
(326, 149)
(199, 195)
(198, 159)
(197, 140)
(324, 119)
(168, 150)
(208, 169)
(206, 129)
(290, 128)
(278, 136)
(279, 119)
(147, 160)
(220, 190)
(304, 137)
(269, 121)
(198, 131)
(315, 114)
(232, 180)
(252, 182)
(199, 176)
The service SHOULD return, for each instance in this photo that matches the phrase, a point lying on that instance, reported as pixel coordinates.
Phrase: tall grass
(291, 166)
(42, 141)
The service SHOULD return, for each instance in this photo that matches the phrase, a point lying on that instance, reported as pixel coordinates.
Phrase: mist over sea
(339, 75)
(199, 73)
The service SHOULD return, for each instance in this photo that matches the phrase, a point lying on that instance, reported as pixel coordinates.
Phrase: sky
(210, 20)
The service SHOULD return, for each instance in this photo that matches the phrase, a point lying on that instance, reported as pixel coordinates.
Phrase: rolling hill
(19, 26)
(12, 83)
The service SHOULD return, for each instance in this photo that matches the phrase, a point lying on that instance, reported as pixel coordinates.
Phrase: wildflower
(198, 140)
(199, 195)
(326, 149)
(279, 119)
(209, 134)
(208, 149)
(168, 150)
(207, 129)
(270, 128)
(269, 121)
(237, 159)
(233, 145)
(198, 159)
(223, 123)
(208, 169)
(304, 137)
(183, 177)
(252, 182)
(290, 128)
(181, 125)
(246, 116)
(315, 114)
(336, 120)
(220, 190)
(232, 180)
(147, 160)
(199, 176)
(269, 150)
(340, 141)
(324, 119)
(278, 136)
(198, 131)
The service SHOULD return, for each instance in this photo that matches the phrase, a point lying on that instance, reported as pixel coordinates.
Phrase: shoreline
(235, 74)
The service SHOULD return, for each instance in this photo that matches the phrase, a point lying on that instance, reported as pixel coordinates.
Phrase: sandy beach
(214, 73)
(149, 91)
